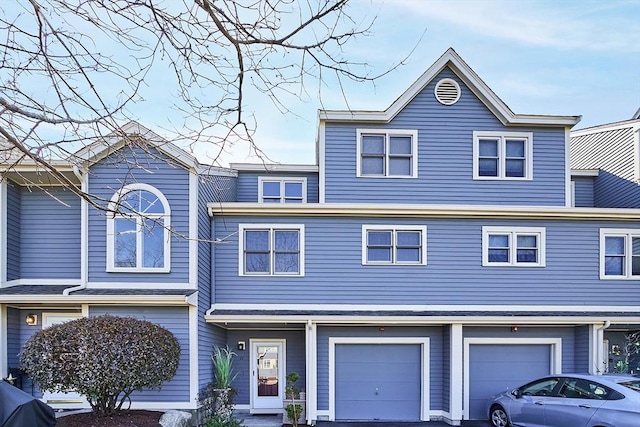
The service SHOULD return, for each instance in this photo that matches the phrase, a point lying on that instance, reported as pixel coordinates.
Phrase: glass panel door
(267, 376)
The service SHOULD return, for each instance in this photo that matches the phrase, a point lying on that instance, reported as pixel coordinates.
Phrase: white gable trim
(451, 59)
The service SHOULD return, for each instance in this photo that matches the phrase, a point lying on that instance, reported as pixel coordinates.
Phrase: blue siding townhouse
(432, 257)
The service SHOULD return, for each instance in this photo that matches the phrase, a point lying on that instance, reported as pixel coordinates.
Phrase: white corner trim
(3, 341)
(456, 363)
(554, 368)
(424, 383)
(569, 190)
(193, 353)
(322, 169)
(3, 233)
(193, 229)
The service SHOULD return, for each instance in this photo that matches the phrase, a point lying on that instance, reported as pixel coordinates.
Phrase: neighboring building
(431, 257)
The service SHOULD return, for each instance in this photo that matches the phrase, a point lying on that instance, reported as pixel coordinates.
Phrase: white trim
(387, 133)
(585, 172)
(322, 167)
(451, 59)
(422, 229)
(96, 299)
(636, 152)
(556, 357)
(193, 229)
(456, 363)
(42, 282)
(4, 363)
(426, 307)
(84, 232)
(273, 167)
(513, 233)
(421, 211)
(628, 234)
(424, 383)
(501, 138)
(271, 228)
(113, 214)
(633, 124)
(282, 180)
(3, 234)
(282, 372)
(569, 185)
(311, 335)
(193, 353)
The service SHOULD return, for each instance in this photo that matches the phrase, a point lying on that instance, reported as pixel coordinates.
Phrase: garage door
(377, 382)
(495, 367)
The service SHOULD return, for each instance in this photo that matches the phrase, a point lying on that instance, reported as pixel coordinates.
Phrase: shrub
(105, 358)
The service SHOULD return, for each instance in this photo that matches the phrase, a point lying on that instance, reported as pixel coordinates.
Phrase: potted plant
(222, 359)
(294, 405)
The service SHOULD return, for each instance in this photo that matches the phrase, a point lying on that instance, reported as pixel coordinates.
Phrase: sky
(550, 57)
(569, 57)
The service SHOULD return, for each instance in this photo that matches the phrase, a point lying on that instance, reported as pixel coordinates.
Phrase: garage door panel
(494, 368)
(378, 381)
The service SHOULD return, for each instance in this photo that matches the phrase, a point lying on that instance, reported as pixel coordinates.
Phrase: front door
(59, 399)
(267, 375)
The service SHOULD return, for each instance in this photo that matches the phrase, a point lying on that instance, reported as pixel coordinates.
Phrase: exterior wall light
(31, 319)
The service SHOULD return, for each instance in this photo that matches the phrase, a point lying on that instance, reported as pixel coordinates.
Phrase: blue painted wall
(454, 274)
(436, 363)
(248, 184)
(295, 361)
(584, 191)
(49, 233)
(13, 231)
(129, 166)
(445, 158)
(176, 320)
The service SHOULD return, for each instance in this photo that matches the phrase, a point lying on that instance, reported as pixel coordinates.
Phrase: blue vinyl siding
(126, 167)
(612, 191)
(13, 231)
(295, 360)
(582, 348)
(248, 184)
(176, 320)
(436, 361)
(49, 233)
(584, 191)
(334, 273)
(445, 158)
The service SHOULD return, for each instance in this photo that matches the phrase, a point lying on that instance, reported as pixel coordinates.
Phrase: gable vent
(447, 92)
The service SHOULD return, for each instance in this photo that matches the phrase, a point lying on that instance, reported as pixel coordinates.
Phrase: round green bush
(105, 358)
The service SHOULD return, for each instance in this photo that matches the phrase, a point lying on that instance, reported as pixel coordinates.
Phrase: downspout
(82, 176)
(600, 347)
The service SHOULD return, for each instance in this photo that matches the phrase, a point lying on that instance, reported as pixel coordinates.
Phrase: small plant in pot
(222, 359)
(292, 393)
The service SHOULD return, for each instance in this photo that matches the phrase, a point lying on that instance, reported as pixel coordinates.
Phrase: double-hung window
(503, 155)
(619, 253)
(513, 247)
(271, 250)
(138, 224)
(387, 153)
(383, 244)
(282, 190)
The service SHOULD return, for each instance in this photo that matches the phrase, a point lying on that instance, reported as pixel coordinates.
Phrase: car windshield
(633, 385)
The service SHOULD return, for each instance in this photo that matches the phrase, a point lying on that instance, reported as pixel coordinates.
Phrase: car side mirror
(517, 393)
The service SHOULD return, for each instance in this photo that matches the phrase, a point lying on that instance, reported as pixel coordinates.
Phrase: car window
(578, 388)
(542, 387)
(633, 385)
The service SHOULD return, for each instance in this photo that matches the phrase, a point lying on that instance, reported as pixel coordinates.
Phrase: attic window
(447, 91)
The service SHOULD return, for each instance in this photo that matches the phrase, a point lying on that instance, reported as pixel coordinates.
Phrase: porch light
(31, 319)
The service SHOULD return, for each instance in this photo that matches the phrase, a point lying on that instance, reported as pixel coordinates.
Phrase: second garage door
(378, 382)
(495, 367)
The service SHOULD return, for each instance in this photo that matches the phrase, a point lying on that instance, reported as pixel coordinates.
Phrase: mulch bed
(124, 419)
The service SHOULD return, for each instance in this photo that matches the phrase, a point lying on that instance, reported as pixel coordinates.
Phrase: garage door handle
(539, 402)
(584, 405)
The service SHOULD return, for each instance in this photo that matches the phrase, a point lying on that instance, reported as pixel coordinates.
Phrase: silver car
(574, 400)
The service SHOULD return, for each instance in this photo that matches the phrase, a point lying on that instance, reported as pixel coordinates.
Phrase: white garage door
(378, 381)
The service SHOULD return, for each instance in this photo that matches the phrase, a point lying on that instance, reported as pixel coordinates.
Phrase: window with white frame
(387, 153)
(384, 244)
(271, 250)
(282, 190)
(508, 246)
(138, 223)
(619, 254)
(503, 155)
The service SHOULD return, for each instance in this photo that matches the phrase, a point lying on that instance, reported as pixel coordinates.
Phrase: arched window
(138, 238)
